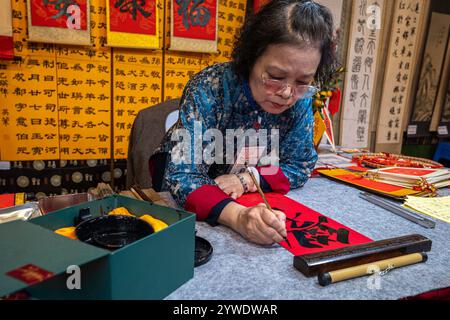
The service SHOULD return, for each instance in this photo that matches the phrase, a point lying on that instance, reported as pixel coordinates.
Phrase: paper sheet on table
(438, 208)
(308, 231)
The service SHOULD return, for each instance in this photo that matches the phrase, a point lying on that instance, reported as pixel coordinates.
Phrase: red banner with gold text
(195, 19)
(68, 14)
(133, 16)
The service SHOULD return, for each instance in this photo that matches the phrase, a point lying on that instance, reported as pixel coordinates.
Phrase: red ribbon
(335, 101)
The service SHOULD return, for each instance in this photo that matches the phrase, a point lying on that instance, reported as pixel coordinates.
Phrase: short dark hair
(284, 22)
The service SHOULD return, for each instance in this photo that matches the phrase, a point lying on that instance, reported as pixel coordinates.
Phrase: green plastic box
(150, 268)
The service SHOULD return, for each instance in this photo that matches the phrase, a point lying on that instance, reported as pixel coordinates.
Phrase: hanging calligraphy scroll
(84, 107)
(84, 94)
(430, 75)
(364, 45)
(441, 117)
(193, 25)
(133, 23)
(29, 115)
(179, 68)
(137, 85)
(231, 17)
(28, 95)
(409, 16)
(59, 21)
(444, 125)
(6, 32)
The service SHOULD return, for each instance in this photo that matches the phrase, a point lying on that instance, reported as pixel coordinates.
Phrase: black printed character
(133, 7)
(61, 6)
(195, 15)
(318, 234)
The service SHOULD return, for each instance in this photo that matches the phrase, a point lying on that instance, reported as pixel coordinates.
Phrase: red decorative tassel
(335, 101)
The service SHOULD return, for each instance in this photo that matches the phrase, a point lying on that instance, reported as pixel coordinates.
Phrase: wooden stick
(141, 193)
(261, 193)
(328, 278)
(135, 194)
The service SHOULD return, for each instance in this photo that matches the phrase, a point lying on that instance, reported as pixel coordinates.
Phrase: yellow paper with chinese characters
(84, 108)
(180, 67)
(29, 115)
(438, 208)
(136, 86)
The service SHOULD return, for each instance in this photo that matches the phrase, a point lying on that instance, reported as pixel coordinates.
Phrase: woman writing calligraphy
(267, 85)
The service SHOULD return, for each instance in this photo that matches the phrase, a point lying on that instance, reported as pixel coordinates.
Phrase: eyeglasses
(299, 91)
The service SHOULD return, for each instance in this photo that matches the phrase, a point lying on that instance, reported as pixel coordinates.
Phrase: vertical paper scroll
(231, 17)
(28, 95)
(6, 31)
(193, 25)
(84, 94)
(137, 85)
(431, 73)
(84, 105)
(409, 16)
(133, 23)
(360, 80)
(441, 116)
(444, 125)
(61, 21)
(29, 114)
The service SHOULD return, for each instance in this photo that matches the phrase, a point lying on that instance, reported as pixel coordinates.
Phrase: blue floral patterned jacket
(219, 99)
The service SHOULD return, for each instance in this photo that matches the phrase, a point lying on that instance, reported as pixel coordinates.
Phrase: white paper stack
(411, 177)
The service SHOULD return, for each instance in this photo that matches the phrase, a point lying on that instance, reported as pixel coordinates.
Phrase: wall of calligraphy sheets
(79, 102)
(66, 110)
(404, 52)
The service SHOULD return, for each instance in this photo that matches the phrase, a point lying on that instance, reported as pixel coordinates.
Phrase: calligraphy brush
(261, 193)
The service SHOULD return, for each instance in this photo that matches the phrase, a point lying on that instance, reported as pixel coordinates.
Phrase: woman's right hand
(260, 225)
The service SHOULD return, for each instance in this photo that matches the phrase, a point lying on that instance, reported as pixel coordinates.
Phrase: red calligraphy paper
(308, 231)
(68, 14)
(194, 19)
(7, 200)
(363, 182)
(133, 16)
(410, 171)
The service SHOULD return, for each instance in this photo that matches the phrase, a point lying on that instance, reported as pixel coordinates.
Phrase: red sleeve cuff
(275, 178)
(202, 200)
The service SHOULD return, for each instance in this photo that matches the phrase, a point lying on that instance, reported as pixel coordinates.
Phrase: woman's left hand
(231, 185)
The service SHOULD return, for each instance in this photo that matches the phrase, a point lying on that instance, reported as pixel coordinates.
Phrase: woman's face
(286, 64)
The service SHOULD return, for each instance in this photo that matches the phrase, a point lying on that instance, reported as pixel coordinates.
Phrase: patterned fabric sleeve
(297, 153)
(188, 181)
